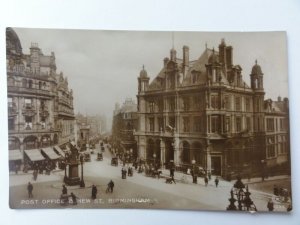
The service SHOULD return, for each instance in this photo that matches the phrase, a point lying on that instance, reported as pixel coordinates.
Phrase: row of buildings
(203, 111)
(40, 102)
(124, 124)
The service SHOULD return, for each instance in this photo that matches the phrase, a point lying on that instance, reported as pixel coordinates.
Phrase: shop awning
(50, 153)
(15, 155)
(59, 150)
(34, 155)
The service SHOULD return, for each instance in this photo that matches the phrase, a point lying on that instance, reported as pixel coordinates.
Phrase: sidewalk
(23, 178)
(259, 179)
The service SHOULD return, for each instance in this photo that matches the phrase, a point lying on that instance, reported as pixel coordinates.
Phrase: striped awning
(50, 153)
(34, 155)
(15, 155)
(59, 150)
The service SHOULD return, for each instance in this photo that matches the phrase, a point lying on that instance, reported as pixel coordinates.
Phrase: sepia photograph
(148, 120)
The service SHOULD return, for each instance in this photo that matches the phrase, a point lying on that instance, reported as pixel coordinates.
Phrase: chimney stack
(185, 55)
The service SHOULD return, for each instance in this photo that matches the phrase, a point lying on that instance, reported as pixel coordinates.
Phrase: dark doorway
(216, 165)
(169, 154)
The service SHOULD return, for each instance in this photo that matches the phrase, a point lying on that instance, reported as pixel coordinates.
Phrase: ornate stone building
(40, 103)
(203, 110)
(124, 124)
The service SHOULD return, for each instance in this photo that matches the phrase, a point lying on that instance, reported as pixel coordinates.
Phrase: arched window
(40, 85)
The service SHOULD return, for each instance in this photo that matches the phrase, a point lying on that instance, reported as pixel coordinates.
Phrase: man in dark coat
(111, 186)
(217, 181)
(64, 190)
(29, 189)
(94, 191)
(74, 198)
(270, 205)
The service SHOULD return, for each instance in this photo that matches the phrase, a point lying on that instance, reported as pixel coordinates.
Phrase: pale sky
(102, 66)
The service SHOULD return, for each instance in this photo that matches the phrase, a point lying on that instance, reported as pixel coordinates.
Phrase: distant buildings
(89, 127)
(203, 110)
(40, 103)
(125, 122)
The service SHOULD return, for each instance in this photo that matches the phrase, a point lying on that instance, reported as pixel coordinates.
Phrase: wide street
(138, 191)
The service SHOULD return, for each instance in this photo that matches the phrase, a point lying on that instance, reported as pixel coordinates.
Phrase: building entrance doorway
(216, 164)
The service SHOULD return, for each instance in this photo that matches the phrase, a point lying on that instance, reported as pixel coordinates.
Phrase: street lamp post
(193, 171)
(242, 197)
(262, 170)
(82, 184)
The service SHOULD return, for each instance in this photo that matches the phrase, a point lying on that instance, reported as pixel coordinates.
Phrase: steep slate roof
(196, 68)
(275, 106)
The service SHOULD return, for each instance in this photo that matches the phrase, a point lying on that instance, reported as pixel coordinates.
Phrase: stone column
(176, 149)
(162, 152)
(208, 157)
(141, 148)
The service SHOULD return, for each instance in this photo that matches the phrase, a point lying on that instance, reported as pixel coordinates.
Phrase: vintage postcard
(148, 120)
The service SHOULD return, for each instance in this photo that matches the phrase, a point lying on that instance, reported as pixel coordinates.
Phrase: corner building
(40, 103)
(203, 110)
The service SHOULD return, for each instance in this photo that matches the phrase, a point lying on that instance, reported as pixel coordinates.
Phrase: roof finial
(143, 67)
(255, 61)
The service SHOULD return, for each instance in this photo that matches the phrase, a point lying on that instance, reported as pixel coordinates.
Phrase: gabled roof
(196, 73)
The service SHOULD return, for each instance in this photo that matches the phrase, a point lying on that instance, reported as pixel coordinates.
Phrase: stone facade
(124, 124)
(203, 110)
(40, 103)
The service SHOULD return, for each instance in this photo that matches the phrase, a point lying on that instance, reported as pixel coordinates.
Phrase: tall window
(172, 121)
(151, 106)
(227, 124)
(160, 105)
(270, 124)
(215, 124)
(237, 103)
(238, 124)
(186, 104)
(282, 124)
(186, 124)
(30, 84)
(151, 124)
(172, 104)
(248, 123)
(43, 122)
(160, 123)
(227, 102)
(214, 102)
(248, 104)
(197, 124)
(11, 124)
(197, 102)
(24, 82)
(271, 147)
(28, 122)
